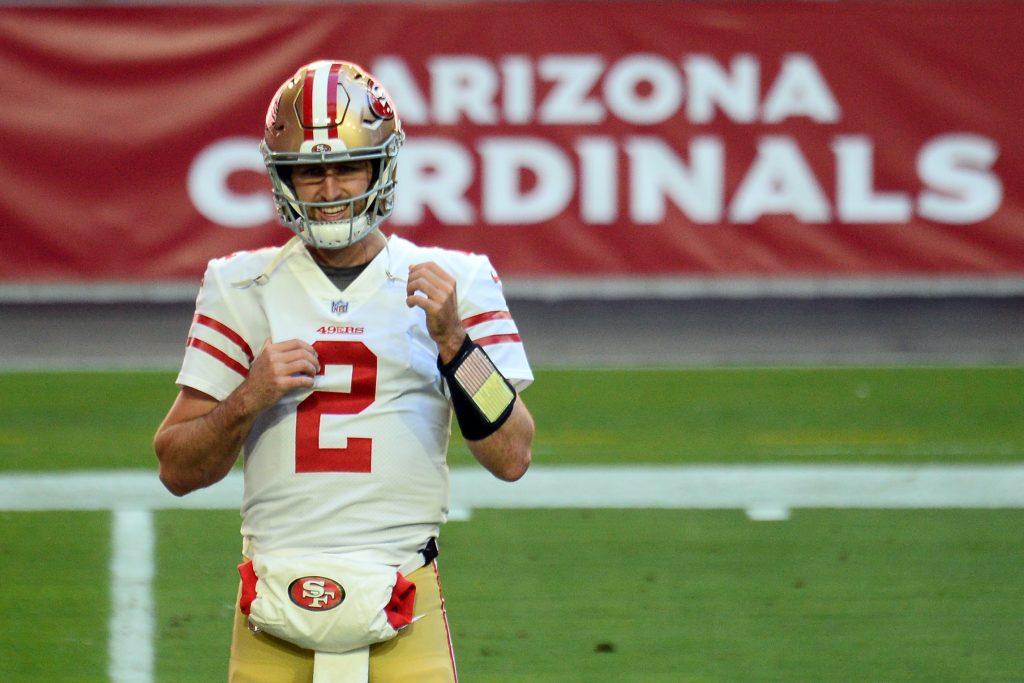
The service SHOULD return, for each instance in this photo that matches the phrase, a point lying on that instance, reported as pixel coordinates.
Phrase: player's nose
(330, 188)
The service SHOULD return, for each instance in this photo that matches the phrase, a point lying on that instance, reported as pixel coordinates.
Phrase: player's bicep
(189, 404)
(220, 348)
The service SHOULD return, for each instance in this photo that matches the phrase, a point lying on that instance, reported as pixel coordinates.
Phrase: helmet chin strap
(263, 278)
(387, 268)
(337, 234)
(288, 248)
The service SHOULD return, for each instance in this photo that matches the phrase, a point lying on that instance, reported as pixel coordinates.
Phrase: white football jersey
(356, 465)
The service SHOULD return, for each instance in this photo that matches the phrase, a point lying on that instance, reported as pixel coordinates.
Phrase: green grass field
(590, 595)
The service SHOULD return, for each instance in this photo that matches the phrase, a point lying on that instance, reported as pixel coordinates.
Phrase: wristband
(481, 396)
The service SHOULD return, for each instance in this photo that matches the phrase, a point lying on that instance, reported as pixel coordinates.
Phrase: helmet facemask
(328, 113)
(366, 211)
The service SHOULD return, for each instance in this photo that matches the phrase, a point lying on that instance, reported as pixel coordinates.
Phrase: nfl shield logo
(339, 307)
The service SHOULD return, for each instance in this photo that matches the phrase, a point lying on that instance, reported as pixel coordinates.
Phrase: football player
(335, 364)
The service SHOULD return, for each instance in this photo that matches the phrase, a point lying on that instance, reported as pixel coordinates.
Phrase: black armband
(481, 396)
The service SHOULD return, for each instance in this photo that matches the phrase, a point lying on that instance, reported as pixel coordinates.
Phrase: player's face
(331, 182)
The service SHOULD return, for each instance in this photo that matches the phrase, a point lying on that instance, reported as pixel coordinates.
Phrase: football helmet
(329, 112)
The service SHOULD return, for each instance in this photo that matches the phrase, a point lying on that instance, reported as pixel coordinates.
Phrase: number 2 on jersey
(356, 455)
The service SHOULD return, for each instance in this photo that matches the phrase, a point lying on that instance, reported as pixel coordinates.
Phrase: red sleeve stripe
(484, 317)
(498, 339)
(227, 332)
(219, 355)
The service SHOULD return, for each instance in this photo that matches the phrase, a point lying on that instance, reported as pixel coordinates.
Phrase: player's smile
(332, 182)
(331, 213)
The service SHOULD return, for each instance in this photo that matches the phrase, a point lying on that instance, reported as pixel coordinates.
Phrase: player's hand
(279, 368)
(431, 288)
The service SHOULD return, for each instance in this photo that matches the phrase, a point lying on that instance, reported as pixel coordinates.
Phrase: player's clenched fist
(431, 288)
(279, 368)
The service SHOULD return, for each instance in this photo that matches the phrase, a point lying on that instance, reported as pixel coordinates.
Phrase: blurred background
(682, 182)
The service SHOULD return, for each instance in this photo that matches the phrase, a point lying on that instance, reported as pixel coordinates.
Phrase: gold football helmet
(329, 112)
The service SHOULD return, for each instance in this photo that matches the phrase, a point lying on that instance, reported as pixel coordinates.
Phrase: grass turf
(58, 421)
(590, 595)
(650, 595)
(647, 595)
(54, 596)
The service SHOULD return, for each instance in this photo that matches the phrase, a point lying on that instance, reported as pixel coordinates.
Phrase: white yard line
(744, 487)
(131, 593)
(765, 492)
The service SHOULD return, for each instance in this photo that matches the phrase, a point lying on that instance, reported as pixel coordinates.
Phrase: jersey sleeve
(220, 345)
(489, 323)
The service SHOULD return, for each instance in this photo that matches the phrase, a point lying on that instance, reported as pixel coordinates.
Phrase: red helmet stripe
(307, 104)
(332, 100)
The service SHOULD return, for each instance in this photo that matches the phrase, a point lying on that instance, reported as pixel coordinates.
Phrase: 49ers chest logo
(316, 593)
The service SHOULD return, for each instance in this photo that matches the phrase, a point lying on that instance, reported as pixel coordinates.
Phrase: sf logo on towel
(316, 593)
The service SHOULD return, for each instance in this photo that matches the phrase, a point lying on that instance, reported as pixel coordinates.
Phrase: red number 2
(356, 456)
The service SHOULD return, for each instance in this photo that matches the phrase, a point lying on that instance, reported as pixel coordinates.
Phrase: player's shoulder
(241, 264)
(459, 263)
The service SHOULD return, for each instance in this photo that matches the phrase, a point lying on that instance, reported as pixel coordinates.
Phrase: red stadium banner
(566, 140)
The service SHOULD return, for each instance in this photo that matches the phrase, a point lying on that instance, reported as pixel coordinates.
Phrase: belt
(422, 558)
(429, 551)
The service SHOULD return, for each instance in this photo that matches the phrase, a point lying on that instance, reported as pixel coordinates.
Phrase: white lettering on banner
(599, 181)
(960, 186)
(504, 202)
(779, 182)
(799, 90)
(657, 174)
(463, 85)
(517, 75)
(621, 89)
(859, 203)
(572, 78)
(437, 173)
(960, 190)
(529, 179)
(394, 72)
(734, 91)
(641, 89)
(208, 184)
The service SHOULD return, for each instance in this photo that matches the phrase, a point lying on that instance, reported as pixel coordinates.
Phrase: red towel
(399, 608)
(248, 575)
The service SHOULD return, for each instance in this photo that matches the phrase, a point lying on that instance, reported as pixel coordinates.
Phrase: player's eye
(352, 168)
(310, 174)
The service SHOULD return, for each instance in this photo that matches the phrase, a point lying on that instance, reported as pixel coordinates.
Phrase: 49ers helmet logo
(316, 593)
(379, 101)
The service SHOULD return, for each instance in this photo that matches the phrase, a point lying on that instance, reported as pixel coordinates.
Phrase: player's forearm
(507, 452)
(201, 451)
